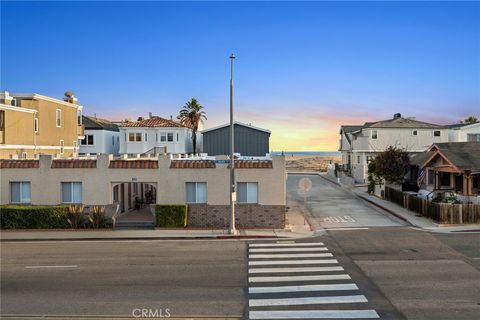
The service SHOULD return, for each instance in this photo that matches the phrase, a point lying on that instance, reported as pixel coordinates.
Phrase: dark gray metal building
(249, 140)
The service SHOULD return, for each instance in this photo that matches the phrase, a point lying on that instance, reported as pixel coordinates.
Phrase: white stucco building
(101, 137)
(146, 135)
(464, 132)
(361, 143)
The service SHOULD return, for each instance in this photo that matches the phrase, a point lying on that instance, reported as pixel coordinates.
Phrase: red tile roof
(133, 164)
(16, 164)
(253, 164)
(154, 122)
(74, 163)
(192, 164)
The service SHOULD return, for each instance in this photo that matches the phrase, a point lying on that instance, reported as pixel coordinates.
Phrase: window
(170, 137)
(414, 132)
(247, 192)
(444, 179)
(359, 159)
(62, 146)
(24, 155)
(58, 118)
(72, 192)
(113, 140)
(430, 177)
(79, 117)
(156, 136)
(35, 125)
(436, 133)
(88, 140)
(145, 136)
(14, 102)
(20, 192)
(163, 137)
(2, 126)
(177, 136)
(196, 192)
(473, 137)
(135, 137)
(374, 134)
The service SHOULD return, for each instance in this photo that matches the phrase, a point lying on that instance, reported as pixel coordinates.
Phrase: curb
(218, 237)
(385, 208)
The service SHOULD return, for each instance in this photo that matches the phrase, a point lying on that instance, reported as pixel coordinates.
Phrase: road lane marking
(306, 300)
(289, 262)
(315, 314)
(293, 270)
(290, 255)
(308, 244)
(299, 278)
(39, 267)
(312, 249)
(304, 288)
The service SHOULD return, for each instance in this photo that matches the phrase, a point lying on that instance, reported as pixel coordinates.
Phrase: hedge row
(171, 215)
(33, 217)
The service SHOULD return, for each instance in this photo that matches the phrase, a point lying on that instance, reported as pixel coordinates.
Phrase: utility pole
(233, 195)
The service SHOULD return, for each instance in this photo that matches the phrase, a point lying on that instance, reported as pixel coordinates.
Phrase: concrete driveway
(330, 206)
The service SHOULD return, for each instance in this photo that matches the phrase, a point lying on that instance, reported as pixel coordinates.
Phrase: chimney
(6, 98)
(150, 115)
(397, 116)
(95, 115)
(171, 118)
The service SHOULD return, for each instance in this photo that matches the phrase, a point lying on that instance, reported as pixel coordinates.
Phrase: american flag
(421, 177)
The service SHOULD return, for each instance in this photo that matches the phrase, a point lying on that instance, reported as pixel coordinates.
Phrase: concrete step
(134, 225)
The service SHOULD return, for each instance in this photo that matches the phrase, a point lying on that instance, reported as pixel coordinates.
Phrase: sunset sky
(303, 69)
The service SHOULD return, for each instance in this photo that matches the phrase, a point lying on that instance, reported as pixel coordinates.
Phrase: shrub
(33, 217)
(97, 217)
(75, 216)
(171, 215)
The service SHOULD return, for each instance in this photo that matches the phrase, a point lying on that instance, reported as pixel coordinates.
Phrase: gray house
(249, 140)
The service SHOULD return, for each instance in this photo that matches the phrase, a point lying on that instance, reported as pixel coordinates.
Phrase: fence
(440, 212)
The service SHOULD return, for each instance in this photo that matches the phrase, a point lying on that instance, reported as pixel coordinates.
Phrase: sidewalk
(295, 229)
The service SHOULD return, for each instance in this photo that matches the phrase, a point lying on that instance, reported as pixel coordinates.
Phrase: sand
(309, 162)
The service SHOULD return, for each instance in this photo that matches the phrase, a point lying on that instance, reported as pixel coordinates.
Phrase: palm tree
(471, 120)
(191, 116)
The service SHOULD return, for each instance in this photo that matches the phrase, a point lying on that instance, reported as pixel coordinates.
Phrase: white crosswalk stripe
(286, 244)
(305, 249)
(289, 255)
(300, 278)
(323, 288)
(294, 269)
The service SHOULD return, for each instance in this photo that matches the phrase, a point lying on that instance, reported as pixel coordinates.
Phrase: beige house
(32, 124)
(203, 183)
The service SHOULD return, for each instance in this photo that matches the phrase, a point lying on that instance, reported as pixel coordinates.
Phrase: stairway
(134, 225)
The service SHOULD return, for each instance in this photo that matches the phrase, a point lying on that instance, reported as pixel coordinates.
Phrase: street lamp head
(232, 56)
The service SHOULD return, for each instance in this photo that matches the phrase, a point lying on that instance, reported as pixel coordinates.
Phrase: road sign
(305, 184)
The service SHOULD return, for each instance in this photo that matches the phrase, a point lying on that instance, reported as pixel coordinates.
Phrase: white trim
(238, 123)
(41, 97)
(21, 146)
(19, 109)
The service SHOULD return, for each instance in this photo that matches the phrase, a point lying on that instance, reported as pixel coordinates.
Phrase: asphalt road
(330, 206)
(207, 278)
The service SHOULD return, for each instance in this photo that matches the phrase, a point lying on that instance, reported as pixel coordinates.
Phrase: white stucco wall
(97, 183)
(181, 143)
(105, 142)
(461, 134)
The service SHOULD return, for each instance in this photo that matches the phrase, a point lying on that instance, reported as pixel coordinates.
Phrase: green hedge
(33, 217)
(171, 215)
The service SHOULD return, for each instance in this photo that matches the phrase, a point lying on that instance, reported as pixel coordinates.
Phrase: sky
(302, 68)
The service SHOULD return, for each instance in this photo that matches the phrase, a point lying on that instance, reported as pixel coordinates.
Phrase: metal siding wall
(248, 141)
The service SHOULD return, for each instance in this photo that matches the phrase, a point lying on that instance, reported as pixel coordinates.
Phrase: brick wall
(246, 216)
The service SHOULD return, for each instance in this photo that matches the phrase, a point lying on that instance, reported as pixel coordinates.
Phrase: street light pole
(232, 164)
